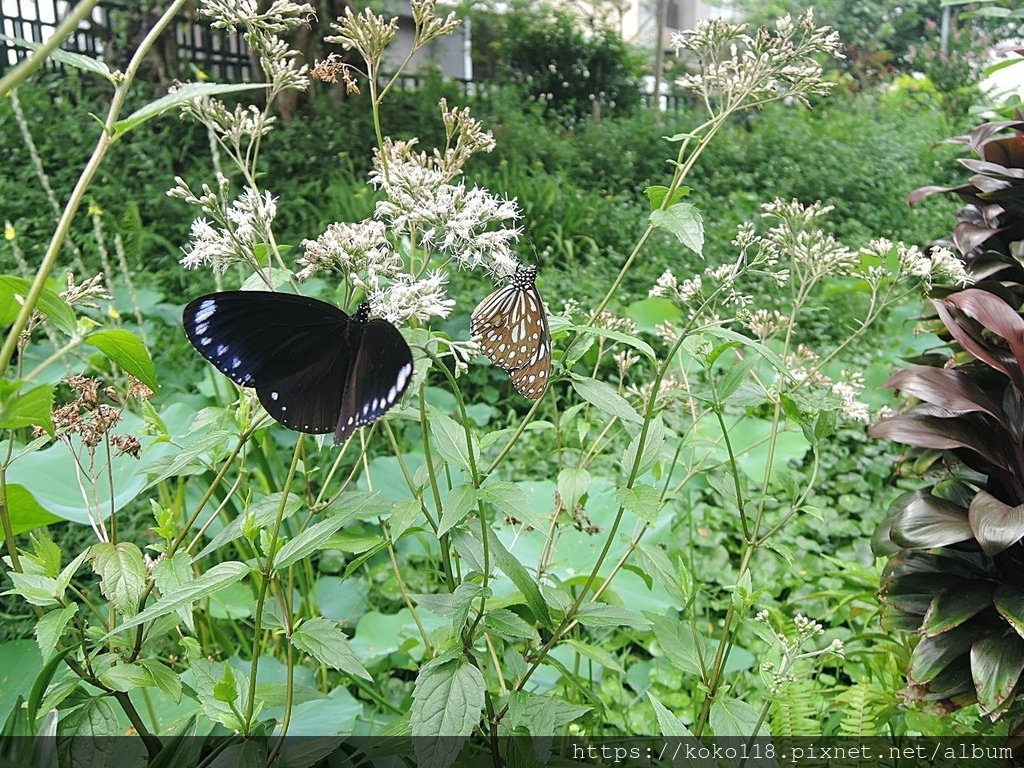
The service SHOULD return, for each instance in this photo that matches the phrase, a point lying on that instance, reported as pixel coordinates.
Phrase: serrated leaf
(642, 500)
(653, 443)
(327, 643)
(684, 221)
(50, 628)
(461, 500)
(449, 438)
(732, 717)
(508, 625)
(510, 500)
(519, 576)
(126, 677)
(123, 574)
(670, 724)
(656, 194)
(595, 654)
(311, 539)
(573, 482)
(605, 615)
(215, 579)
(603, 397)
(177, 98)
(126, 350)
(446, 702)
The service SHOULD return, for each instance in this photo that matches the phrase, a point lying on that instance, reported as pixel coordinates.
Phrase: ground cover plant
(625, 555)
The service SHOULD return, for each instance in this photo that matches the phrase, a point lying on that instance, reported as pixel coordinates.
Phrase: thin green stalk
(27, 66)
(268, 575)
(107, 138)
(434, 488)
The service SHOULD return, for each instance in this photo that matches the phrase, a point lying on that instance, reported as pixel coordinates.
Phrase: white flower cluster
(361, 252)
(408, 298)
(668, 287)
(735, 68)
(466, 225)
(780, 675)
(848, 391)
(235, 231)
(940, 264)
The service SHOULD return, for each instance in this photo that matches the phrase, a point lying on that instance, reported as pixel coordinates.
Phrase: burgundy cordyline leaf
(1007, 151)
(977, 346)
(990, 169)
(995, 314)
(978, 138)
(921, 193)
(951, 390)
(939, 433)
(996, 525)
(969, 236)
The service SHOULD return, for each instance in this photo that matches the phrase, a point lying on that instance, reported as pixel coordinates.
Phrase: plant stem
(105, 141)
(268, 574)
(27, 66)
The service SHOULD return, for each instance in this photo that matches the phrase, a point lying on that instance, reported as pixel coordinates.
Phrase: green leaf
(125, 677)
(656, 194)
(507, 625)
(649, 313)
(264, 512)
(446, 702)
(93, 719)
(606, 399)
(677, 642)
(732, 717)
(642, 500)
(26, 409)
(122, 573)
(126, 350)
(510, 500)
(403, 514)
(35, 588)
(573, 483)
(653, 443)
(449, 438)
(521, 578)
(50, 304)
(605, 615)
(311, 539)
(177, 98)
(639, 345)
(595, 654)
(50, 628)
(172, 573)
(67, 57)
(218, 577)
(212, 682)
(684, 221)
(26, 513)
(459, 502)
(670, 724)
(996, 664)
(164, 678)
(327, 643)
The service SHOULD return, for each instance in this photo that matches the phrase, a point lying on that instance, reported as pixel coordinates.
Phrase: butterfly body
(513, 330)
(315, 368)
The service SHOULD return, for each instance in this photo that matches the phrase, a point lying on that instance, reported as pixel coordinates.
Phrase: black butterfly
(513, 331)
(315, 369)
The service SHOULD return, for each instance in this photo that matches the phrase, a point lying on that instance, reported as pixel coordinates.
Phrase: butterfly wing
(500, 321)
(381, 372)
(532, 379)
(290, 348)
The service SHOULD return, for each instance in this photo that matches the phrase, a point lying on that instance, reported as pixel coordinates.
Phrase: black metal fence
(110, 34)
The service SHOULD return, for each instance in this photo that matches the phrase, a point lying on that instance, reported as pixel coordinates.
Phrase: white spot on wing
(206, 310)
(274, 395)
